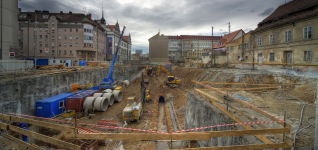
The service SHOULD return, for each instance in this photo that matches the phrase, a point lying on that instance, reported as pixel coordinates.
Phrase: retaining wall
(201, 113)
(19, 96)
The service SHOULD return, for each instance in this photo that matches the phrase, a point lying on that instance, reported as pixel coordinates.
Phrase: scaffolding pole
(316, 128)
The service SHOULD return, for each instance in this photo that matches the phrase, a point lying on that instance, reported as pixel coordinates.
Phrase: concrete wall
(201, 113)
(158, 48)
(9, 24)
(15, 65)
(20, 95)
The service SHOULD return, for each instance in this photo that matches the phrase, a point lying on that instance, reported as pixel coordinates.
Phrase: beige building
(236, 52)
(288, 35)
(62, 36)
(9, 28)
(158, 48)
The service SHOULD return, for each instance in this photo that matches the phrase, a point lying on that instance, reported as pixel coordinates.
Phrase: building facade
(61, 36)
(9, 28)
(181, 47)
(138, 51)
(158, 48)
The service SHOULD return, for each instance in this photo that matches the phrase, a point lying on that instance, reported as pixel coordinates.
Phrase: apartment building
(61, 36)
(179, 47)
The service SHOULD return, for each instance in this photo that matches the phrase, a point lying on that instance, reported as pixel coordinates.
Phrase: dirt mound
(188, 74)
(305, 92)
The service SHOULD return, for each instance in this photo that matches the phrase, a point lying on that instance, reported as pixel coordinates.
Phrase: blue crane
(108, 82)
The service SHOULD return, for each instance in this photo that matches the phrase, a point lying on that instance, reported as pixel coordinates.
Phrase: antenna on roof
(84, 10)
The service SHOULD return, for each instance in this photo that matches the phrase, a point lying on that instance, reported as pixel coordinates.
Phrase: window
(26, 22)
(76, 44)
(46, 29)
(76, 30)
(307, 32)
(40, 37)
(232, 47)
(70, 52)
(34, 29)
(59, 44)
(46, 36)
(80, 60)
(272, 39)
(40, 44)
(60, 30)
(76, 37)
(61, 61)
(65, 37)
(60, 37)
(92, 59)
(45, 44)
(40, 29)
(52, 21)
(271, 56)
(227, 48)
(259, 41)
(70, 37)
(60, 52)
(64, 44)
(70, 30)
(288, 36)
(54, 61)
(64, 22)
(61, 104)
(46, 23)
(52, 51)
(79, 53)
(307, 55)
(70, 44)
(72, 23)
(52, 43)
(40, 51)
(52, 36)
(64, 30)
(52, 28)
(45, 16)
(84, 53)
(240, 46)
(246, 45)
(79, 23)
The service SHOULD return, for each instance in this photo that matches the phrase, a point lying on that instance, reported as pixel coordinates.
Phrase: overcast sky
(143, 18)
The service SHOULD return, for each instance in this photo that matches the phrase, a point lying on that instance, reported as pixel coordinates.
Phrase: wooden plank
(261, 137)
(4, 126)
(42, 124)
(32, 147)
(60, 135)
(248, 132)
(245, 147)
(5, 117)
(141, 136)
(208, 82)
(13, 144)
(44, 138)
(244, 103)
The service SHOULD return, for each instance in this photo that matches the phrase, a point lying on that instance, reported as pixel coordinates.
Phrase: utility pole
(316, 128)
(229, 27)
(35, 42)
(212, 47)
(253, 48)
(242, 45)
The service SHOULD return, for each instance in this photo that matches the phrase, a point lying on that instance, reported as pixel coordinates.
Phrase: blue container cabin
(55, 104)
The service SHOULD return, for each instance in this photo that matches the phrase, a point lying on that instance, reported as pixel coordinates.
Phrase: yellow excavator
(172, 81)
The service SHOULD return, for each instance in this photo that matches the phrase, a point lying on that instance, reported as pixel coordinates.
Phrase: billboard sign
(46, 50)
(11, 54)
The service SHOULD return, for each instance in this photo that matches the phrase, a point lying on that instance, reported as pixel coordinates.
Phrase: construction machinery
(148, 94)
(108, 83)
(148, 72)
(172, 81)
(134, 109)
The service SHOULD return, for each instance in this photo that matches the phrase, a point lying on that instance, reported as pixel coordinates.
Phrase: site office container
(75, 102)
(51, 106)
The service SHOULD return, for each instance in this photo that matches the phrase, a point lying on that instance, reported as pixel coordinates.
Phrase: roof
(240, 39)
(111, 27)
(226, 38)
(290, 12)
(65, 17)
(56, 98)
(126, 37)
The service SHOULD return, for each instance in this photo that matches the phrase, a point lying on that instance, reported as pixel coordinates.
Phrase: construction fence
(15, 65)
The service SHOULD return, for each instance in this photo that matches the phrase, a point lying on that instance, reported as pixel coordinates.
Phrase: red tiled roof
(226, 38)
(126, 37)
(111, 27)
(240, 39)
(289, 12)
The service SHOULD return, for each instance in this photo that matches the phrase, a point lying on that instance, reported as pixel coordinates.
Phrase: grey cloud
(266, 12)
(181, 17)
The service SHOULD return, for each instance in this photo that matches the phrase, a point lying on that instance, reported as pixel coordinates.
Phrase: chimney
(70, 12)
(89, 16)
(61, 12)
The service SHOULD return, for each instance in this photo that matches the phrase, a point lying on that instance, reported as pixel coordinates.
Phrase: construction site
(171, 106)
